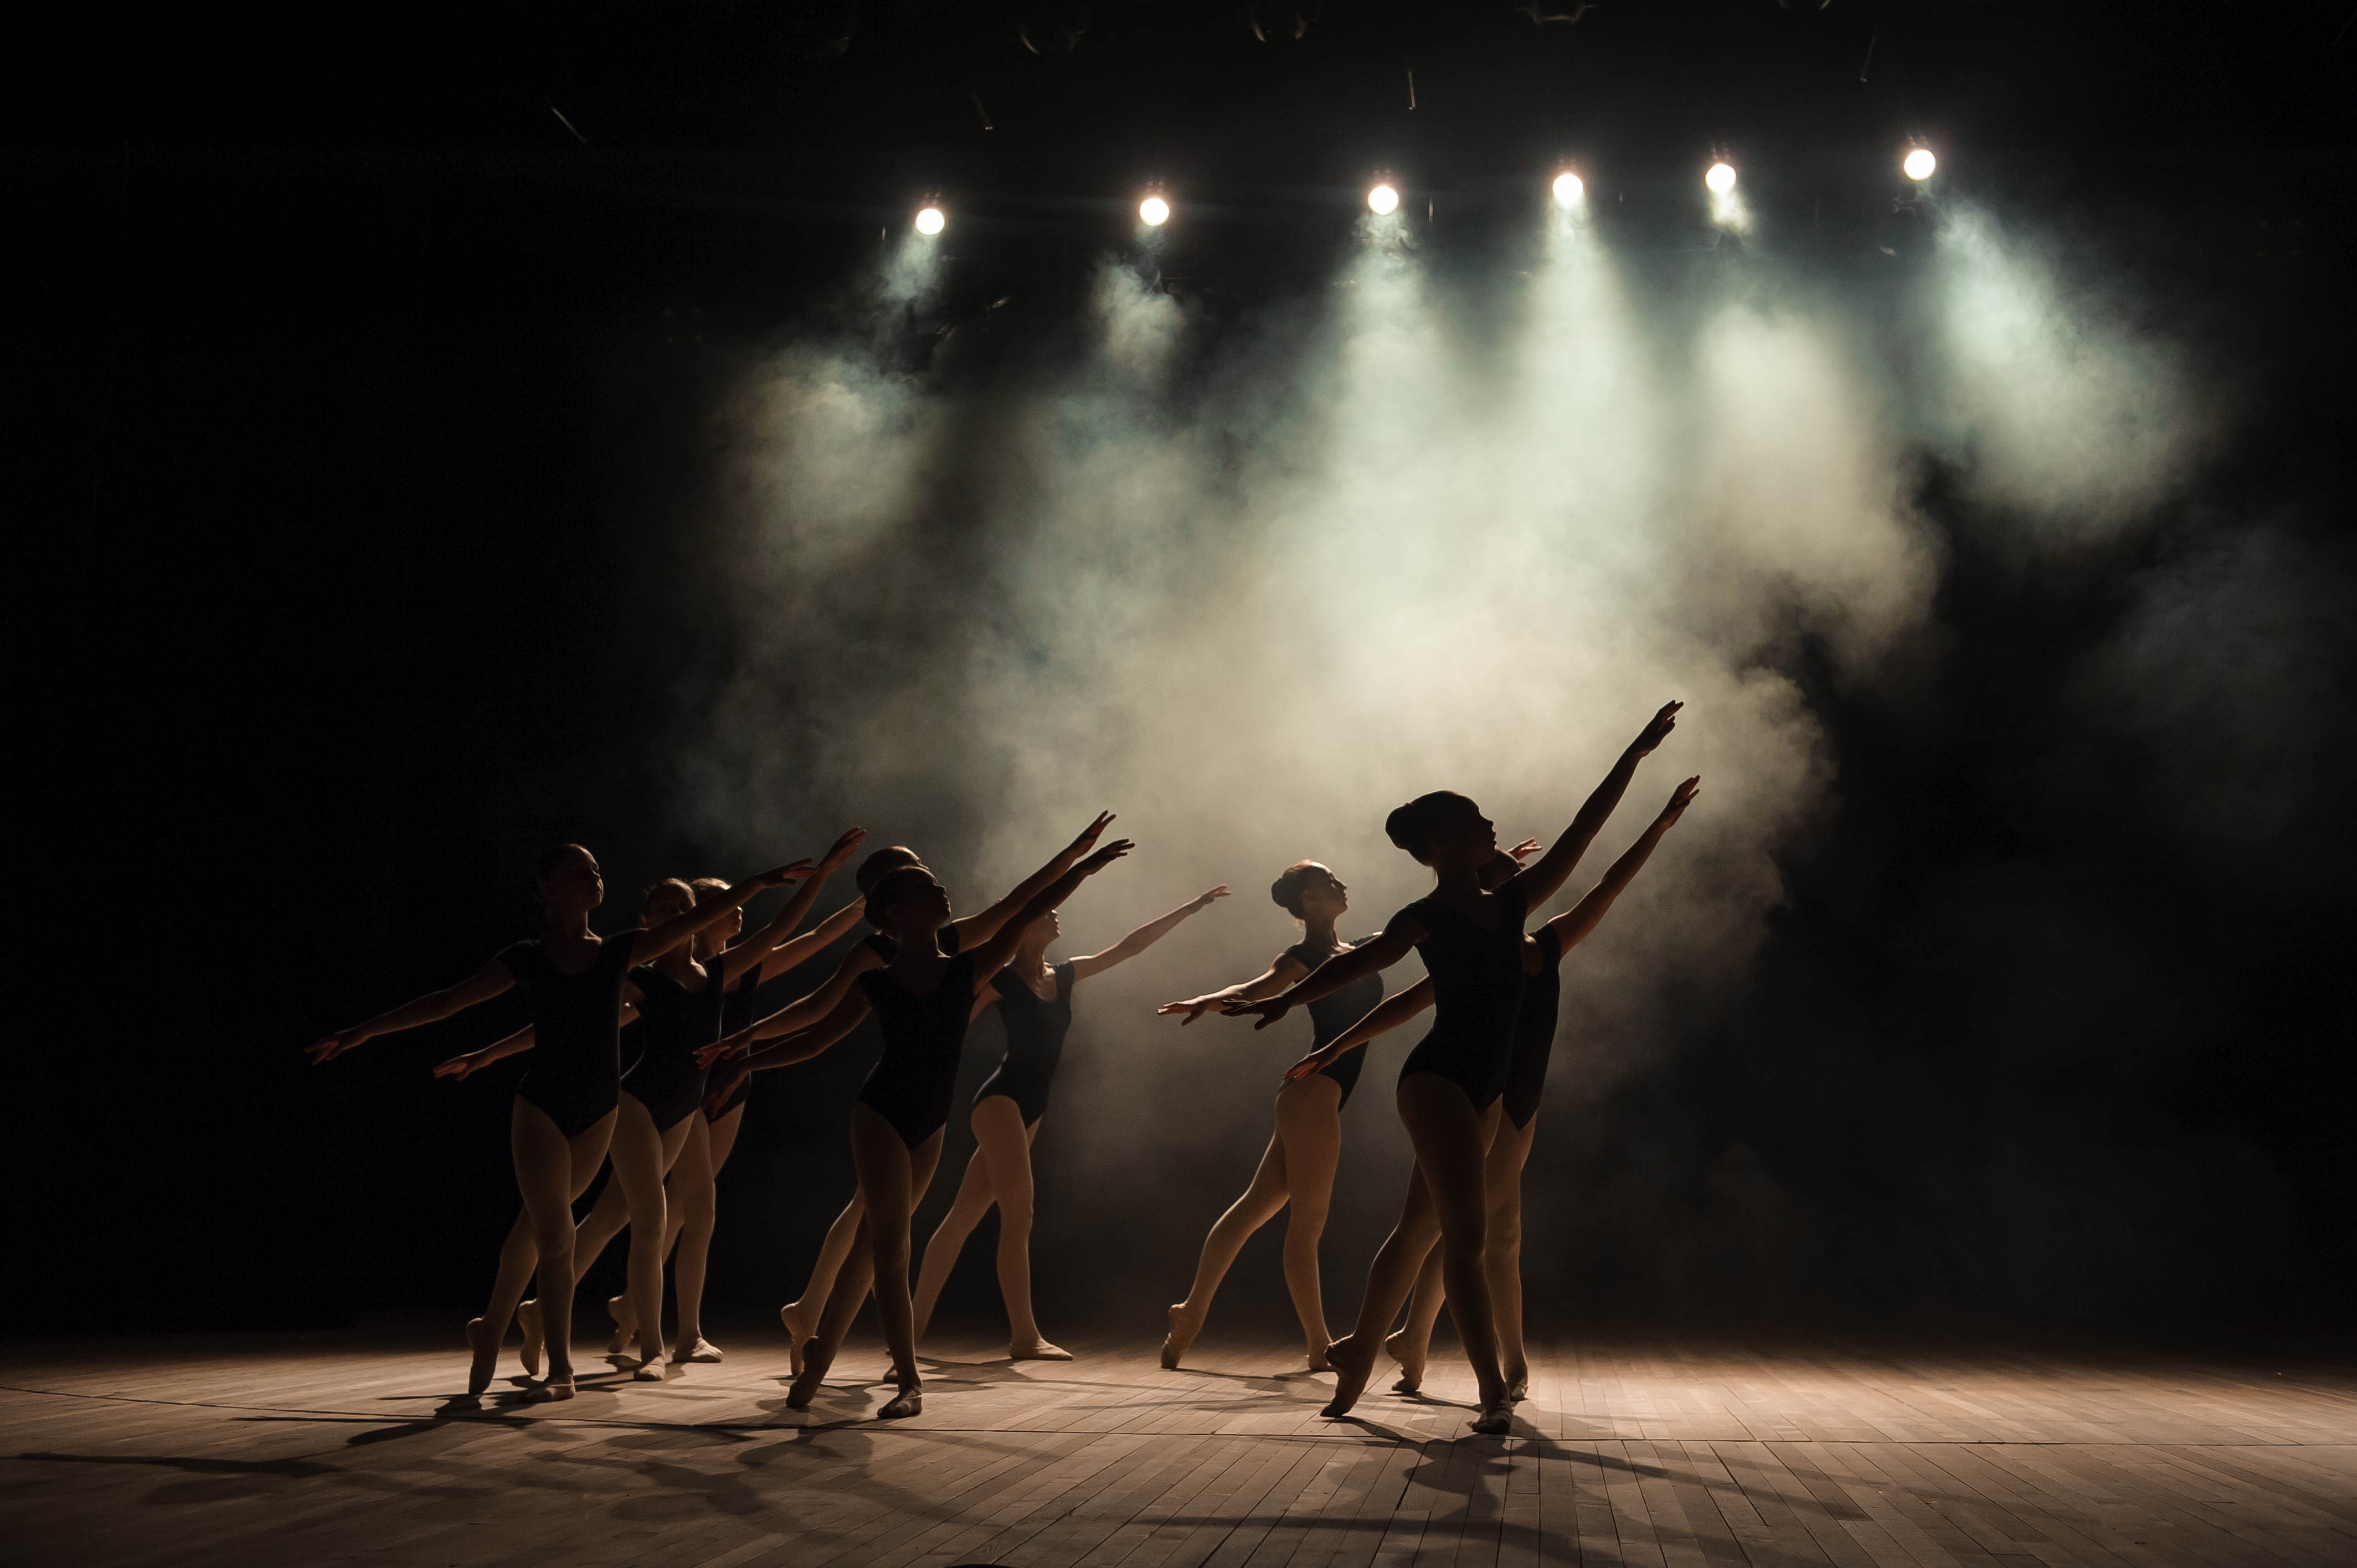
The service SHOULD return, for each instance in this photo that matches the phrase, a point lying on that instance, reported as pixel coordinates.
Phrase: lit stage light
(1920, 164)
(1154, 212)
(931, 222)
(1721, 178)
(1383, 200)
(1568, 190)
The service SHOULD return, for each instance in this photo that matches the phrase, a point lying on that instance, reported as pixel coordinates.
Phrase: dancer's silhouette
(1470, 939)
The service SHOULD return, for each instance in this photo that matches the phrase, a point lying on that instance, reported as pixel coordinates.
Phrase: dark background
(354, 466)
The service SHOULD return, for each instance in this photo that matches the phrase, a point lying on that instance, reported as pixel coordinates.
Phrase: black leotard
(1534, 1029)
(923, 1035)
(674, 1023)
(1034, 1041)
(575, 1071)
(1477, 989)
(885, 947)
(1331, 1016)
(737, 1013)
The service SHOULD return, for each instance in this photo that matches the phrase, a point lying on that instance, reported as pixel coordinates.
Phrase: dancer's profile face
(1465, 837)
(913, 901)
(1322, 893)
(573, 882)
(1044, 929)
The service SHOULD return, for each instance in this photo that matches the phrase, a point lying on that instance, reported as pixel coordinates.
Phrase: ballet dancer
(680, 1003)
(1296, 1170)
(563, 1113)
(1509, 1148)
(801, 1314)
(1035, 1002)
(1470, 939)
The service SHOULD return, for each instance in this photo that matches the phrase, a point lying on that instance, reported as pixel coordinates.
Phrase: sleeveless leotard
(1331, 1016)
(1477, 989)
(913, 1080)
(1534, 1029)
(737, 1013)
(884, 946)
(674, 1024)
(1034, 1041)
(575, 1071)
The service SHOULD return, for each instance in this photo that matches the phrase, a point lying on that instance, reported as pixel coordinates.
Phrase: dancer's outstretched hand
(462, 1067)
(1104, 856)
(1680, 799)
(1202, 899)
(731, 1046)
(1193, 1009)
(780, 875)
(721, 1085)
(1089, 834)
(1525, 849)
(1267, 1012)
(843, 849)
(1658, 730)
(1316, 1061)
(329, 1047)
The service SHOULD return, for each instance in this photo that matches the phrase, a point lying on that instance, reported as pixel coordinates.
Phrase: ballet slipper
(1496, 1417)
(909, 1400)
(535, 1336)
(1038, 1350)
(649, 1370)
(1410, 1355)
(1182, 1335)
(797, 1334)
(1318, 1362)
(486, 1359)
(553, 1387)
(807, 1382)
(626, 1323)
(1353, 1368)
(697, 1349)
(1518, 1387)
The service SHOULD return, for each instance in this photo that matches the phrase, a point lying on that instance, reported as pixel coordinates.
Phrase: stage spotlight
(1383, 200)
(1721, 178)
(1920, 164)
(931, 222)
(1154, 212)
(1568, 190)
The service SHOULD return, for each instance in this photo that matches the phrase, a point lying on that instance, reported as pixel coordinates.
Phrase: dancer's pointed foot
(626, 1323)
(1037, 1350)
(556, 1386)
(699, 1348)
(909, 1400)
(1518, 1387)
(797, 1333)
(1183, 1329)
(806, 1382)
(1352, 1366)
(1496, 1416)
(486, 1359)
(535, 1336)
(1410, 1354)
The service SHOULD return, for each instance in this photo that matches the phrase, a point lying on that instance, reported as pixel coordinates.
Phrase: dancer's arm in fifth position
(1541, 882)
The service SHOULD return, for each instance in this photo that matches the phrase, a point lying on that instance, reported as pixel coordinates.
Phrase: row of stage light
(1383, 198)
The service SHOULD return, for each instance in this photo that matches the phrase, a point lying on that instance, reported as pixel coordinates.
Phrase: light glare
(1154, 212)
(1382, 201)
(1568, 189)
(931, 222)
(1721, 178)
(1920, 164)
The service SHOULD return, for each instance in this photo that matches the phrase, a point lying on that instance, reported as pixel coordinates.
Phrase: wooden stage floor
(1669, 1452)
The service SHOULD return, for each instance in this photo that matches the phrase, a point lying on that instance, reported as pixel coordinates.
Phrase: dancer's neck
(1317, 931)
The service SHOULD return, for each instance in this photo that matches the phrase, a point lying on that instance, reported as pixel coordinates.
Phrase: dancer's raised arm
(1380, 1019)
(992, 956)
(1400, 936)
(1538, 883)
(653, 942)
(1144, 936)
(1282, 971)
(808, 1012)
(977, 928)
(766, 942)
(431, 1008)
(1584, 915)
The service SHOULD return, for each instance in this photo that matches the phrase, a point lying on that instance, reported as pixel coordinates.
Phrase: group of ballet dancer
(1467, 1095)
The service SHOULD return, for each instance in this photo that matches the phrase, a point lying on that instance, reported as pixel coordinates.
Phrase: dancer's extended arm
(992, 956)
(1380, 1019)
(656, 940)
(1584, 915)
(796, 1016)
(800, 1048)
(1368, 957)
(758, 947)
(466, 1064)
(1282, 971)
(976, 928)
(1539, 883)
(1144, 936)
(431, 1008)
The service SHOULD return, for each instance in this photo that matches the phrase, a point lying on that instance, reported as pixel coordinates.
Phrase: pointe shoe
(535, 1336)
(626, 1323)
(1041, 1351)
(1496, 1417)
(1351, 1374)
(697, 1349)
(486, 1359)
(907, 1402)
(1175, 1344)
(1410, 1356)
(549, 1388)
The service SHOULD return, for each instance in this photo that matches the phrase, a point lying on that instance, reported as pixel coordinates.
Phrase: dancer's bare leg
(1410, 1343)
(1005, 1144)
(1309, 1125)
(892, 1179)
(803, 1314)
(688, 1202)
(975, 1194)
(1261, 1201)
(552, 1170)
(1501, 1178)
(640, 1154)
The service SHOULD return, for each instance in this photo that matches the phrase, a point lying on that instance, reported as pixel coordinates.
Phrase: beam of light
(1721, 178)
(1568, 190)
(1154, 212)
(1920, 164)
(930, 220)
(1382, 201)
